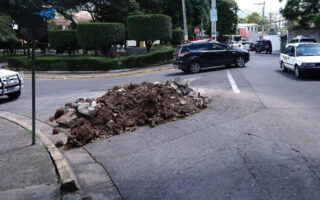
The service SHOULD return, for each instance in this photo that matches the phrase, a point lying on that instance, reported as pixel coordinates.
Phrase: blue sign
(48, 13)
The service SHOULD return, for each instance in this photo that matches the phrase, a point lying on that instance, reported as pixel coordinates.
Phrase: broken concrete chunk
(67, 119)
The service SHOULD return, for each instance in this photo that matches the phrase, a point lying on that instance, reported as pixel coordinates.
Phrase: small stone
(156, 83)
(182, 82)
(67, 119)
(56, 131)
(174, 86)
(59, 144)
(121, 90)
(183, 102)
(172, 97)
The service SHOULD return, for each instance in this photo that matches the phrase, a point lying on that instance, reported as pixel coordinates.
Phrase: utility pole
(185, 27)
(263, 8)
(213, 22)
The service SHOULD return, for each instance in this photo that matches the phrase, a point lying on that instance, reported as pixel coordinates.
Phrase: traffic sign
(196, 30)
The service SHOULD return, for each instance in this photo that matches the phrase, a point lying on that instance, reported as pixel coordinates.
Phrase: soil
(128, 107)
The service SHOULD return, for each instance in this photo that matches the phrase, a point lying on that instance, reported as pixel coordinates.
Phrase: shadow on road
(213, 69)
(5, 100)
(307, 77)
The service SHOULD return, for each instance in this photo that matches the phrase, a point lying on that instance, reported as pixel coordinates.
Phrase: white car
(236, 45)
(301, 58)
(11, 83)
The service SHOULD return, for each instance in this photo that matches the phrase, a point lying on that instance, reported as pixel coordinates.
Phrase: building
(249, 32)
(82, 16)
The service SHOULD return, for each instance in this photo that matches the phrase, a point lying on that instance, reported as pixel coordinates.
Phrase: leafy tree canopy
(6, 31)
(304, 12)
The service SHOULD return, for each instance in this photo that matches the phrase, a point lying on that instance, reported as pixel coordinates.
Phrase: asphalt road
(261, 143)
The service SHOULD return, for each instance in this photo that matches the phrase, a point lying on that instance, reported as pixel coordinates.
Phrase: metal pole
(33, 93)
(185, 27)
(263, 8)
(214, 23)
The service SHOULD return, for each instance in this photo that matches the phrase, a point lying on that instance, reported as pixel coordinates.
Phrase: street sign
(213, 15)
(196, 30)
(32, 28)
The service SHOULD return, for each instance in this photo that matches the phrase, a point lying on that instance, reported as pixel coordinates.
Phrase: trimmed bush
(93, 63)
(149, 28)
(177, 36)
(63, 40)
(100, 35)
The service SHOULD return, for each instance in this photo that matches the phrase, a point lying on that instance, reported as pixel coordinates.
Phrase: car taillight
(183, 54)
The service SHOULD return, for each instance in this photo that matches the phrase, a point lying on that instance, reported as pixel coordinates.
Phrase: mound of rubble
(126, 108)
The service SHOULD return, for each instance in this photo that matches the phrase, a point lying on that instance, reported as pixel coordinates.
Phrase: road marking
(233, 84)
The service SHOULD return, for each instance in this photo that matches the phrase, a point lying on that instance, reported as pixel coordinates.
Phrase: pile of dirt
(125, 108)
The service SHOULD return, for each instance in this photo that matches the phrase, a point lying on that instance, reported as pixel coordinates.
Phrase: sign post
(32, 28)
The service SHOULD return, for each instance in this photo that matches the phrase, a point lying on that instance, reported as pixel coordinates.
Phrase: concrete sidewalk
(26, 171)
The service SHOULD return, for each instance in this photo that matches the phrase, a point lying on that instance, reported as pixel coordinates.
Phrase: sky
(271, 5)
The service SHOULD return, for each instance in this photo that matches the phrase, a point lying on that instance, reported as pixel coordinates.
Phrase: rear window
(176, 52)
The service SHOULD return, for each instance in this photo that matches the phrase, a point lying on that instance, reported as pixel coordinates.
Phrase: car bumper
(310, 70)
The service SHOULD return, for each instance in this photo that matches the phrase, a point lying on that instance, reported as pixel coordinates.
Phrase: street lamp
(185, 27)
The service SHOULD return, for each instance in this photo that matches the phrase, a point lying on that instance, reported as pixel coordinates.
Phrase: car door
(285, 56)
(208, 56)
(216, 55)
(292, 57)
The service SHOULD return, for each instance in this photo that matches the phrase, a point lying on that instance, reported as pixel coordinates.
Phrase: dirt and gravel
(125, 108)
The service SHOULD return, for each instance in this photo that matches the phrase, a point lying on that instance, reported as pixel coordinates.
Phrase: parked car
(303, 39)
(301, 58)
(236, 44)
(248, 45)
(11, 83)
(194, 57)
(264, 46)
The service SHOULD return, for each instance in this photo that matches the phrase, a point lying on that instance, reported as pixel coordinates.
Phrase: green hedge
(93, 63)
(11, 45)
(63, 39)
(149, 27)
(100, 35)
(177, 36)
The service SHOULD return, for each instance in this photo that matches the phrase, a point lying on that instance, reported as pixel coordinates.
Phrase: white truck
(11, 83)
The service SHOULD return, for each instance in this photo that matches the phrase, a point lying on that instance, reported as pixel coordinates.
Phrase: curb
(61, 77)
(69, 182)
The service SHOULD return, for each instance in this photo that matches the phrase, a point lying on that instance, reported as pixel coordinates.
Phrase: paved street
(261, 143)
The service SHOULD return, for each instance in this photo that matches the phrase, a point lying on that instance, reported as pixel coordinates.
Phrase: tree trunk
(149, 44)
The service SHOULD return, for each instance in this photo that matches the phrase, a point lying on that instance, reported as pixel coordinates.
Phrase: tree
(177, 36)
(253, 18)
(6, 31)
(149, 28)
(63, 40)
(103, 36)
(227, 17)
(304, 12)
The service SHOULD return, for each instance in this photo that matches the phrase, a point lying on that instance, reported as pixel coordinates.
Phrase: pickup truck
(11, 83)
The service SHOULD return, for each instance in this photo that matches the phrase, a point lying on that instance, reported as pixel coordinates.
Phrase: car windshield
(308, 50)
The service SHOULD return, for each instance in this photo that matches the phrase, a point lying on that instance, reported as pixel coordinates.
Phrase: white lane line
(233, 84)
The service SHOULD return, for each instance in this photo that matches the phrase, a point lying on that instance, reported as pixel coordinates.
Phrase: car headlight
(309, 64)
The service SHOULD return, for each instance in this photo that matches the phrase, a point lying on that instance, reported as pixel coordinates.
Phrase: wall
(311, 32)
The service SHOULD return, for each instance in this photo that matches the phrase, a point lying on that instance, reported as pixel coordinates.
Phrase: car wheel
(14, 95)
(195, 67)
(240, 62)
(297, 72)
(282, 67)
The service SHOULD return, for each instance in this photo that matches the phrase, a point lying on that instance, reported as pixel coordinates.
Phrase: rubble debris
(56, 131)
(125, 108)
(59, 144)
